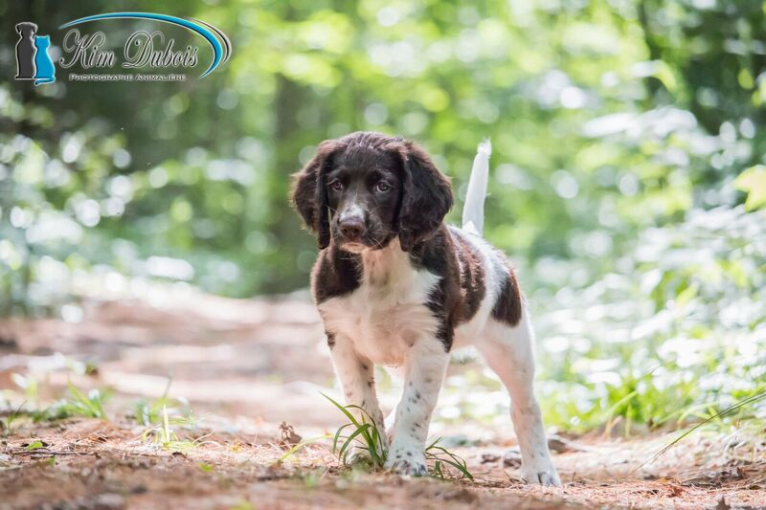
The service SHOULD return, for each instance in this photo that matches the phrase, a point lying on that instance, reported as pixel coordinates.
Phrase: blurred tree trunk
(283, 222)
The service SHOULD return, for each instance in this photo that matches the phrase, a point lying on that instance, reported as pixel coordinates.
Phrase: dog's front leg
(357, 377)
(424, 372)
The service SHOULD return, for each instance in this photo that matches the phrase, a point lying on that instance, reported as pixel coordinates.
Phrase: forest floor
(247, 367)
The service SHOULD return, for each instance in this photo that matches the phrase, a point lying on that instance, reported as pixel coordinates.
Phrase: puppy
(396, 286)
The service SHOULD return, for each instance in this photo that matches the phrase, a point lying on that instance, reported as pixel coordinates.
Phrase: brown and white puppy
(396, 286)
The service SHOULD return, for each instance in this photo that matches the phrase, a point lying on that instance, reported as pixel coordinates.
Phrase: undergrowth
(672, 335)
(161, 417)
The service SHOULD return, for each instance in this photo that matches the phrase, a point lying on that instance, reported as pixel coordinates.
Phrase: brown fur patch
(335, 273)
(472, 286)
(508, 305)
(458, 296)
(437, 255)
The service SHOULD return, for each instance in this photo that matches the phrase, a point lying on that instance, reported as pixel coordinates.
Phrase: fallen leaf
(289, 436)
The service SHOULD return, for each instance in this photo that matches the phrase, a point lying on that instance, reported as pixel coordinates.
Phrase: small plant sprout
(363, 434)
(163, 435)
(151, 413)
(160, 416)
(90, 405)
(7, 423)
(76, 403)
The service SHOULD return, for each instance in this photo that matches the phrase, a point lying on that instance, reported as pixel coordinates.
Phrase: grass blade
(306, 442)
(345, 411)
(337, 437)
(350, 438)
(720, 414)
(447, 458)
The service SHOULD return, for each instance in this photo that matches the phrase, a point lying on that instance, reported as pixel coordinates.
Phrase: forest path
(245, 367)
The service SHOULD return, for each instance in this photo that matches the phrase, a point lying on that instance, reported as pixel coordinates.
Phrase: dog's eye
(336, 185)
(383, 186)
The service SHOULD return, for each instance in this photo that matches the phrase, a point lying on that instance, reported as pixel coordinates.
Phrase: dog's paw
(408, 467)
(541, 476)
(407, 462)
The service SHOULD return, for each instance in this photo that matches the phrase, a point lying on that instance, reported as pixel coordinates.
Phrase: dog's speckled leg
(424, 373)
(509, 352)
(357, 377)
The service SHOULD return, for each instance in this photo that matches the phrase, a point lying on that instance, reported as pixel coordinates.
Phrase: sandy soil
(248, 366)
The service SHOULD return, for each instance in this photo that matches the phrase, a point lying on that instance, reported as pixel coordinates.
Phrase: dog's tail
(473, 211)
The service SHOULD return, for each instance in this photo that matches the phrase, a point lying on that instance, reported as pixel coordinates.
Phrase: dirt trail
(247, 366)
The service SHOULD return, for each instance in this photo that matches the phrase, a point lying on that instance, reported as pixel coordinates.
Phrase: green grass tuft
(366, 435)
(6, 424)
(76, 404)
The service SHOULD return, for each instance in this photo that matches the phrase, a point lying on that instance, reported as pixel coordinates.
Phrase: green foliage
(606, 119)
(628, 139)
(753, 181)
(675, 334)
(742, 404)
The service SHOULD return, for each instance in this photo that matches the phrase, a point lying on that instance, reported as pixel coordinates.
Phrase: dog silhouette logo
(32, 59)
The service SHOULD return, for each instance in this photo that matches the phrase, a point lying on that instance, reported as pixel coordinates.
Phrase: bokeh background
(627, 181)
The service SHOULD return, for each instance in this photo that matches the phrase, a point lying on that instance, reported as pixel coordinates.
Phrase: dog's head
(365, 189)
(26, 30)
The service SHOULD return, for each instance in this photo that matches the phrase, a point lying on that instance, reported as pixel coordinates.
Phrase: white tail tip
(473, 211)
(485, 147)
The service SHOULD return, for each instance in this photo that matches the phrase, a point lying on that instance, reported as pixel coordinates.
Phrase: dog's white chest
(385, 316)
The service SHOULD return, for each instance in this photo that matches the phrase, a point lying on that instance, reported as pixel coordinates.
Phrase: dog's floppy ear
(309, 196)
(426, 196)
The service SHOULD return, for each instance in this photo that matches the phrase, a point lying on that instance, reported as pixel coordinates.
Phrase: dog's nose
(352, 229)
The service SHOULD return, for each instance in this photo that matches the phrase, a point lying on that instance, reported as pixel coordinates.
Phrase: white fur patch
(388, 312)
